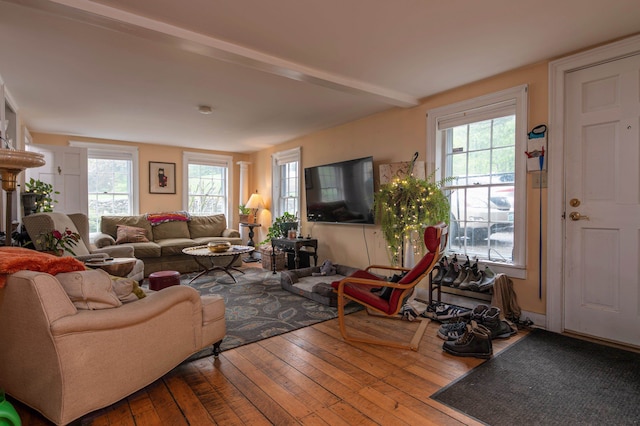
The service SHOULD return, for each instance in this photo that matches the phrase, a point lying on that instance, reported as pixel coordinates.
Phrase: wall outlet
(539, 179)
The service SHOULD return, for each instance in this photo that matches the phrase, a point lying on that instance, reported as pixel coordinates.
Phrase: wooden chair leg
(413, 345)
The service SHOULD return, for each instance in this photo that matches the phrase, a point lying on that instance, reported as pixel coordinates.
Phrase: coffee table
(118, 267)
(202, 252)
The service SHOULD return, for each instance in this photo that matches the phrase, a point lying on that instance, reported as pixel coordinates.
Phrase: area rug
(257, 307)
(550, 379)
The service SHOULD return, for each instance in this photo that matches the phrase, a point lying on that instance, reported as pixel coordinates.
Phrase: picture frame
(162, 178)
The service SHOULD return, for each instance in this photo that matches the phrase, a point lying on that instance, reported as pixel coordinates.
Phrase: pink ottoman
(163, 279)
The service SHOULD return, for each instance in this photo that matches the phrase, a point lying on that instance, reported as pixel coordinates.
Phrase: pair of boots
(465, 277)
(474, 339)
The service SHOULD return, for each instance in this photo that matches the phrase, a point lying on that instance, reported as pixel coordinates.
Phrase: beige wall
(148, 152)
(390, 136)
(394, 136)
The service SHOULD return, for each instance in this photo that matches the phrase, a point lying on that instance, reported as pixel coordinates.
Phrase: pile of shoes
(472, 336)
(465, 276)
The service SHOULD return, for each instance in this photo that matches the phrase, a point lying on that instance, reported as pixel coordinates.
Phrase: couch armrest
(103, 240)
(231, 233)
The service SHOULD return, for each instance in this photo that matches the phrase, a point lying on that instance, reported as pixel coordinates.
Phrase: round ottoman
(163, 279)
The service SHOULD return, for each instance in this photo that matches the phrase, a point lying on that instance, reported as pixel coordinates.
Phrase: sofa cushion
(174, 246)
(207, 226)
(89, 289)
(146, 250)
(109, 224)
(174, 229)
(130, 234)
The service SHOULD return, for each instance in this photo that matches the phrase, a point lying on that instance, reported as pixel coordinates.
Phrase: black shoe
(451, 274)
(475, 342)
(442, 270)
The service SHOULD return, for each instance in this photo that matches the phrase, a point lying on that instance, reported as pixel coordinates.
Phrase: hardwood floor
(309, 376)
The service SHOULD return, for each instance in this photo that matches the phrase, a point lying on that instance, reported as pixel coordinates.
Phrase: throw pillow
(90, 289)
(207, 226)
(130, 234)
(127, 289)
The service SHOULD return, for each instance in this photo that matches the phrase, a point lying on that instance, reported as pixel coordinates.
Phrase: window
(112, 189)
(476, 151)
(206, 183)
(286, 182)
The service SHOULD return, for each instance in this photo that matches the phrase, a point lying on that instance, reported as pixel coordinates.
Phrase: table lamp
(255, 202)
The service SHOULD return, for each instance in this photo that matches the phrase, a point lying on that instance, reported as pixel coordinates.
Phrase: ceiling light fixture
(205, 109)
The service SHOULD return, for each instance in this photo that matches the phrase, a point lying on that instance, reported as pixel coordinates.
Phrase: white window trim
(278, 159)
(130, 152)
(211, 160)
(435, 160)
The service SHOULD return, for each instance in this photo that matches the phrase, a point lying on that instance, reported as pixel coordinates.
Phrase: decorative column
(244, 181)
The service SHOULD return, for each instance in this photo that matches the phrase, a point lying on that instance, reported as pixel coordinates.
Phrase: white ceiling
(136, 70)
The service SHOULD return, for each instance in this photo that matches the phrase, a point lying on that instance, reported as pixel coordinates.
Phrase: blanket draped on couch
(14, 259)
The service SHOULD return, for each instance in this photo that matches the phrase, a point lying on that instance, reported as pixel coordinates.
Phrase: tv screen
(340, 192)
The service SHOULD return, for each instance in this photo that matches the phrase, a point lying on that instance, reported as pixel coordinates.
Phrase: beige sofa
(163, 250)
(66, 362)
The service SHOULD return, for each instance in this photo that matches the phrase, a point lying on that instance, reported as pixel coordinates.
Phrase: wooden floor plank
(236, 405)
(310, 376)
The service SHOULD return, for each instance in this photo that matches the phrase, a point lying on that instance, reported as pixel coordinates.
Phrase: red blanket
(14, 259)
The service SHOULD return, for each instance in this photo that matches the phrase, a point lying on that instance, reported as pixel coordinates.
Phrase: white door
(66, 170)
(602, 201)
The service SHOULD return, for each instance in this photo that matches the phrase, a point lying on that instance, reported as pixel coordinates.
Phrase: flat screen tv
(340, 192)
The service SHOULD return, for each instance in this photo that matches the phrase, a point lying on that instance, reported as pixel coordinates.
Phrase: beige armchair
(65, 362)
(40, 223)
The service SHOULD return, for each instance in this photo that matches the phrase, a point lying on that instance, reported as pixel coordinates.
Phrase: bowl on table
(219, 246)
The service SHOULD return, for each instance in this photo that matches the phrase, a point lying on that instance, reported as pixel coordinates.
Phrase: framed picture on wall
(162, 178)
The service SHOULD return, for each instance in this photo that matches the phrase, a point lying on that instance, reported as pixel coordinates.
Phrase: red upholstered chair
(357, 287)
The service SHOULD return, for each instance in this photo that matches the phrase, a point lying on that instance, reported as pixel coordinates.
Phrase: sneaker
(499, 328)
(475, 342)
(442, 311)
(452, 330)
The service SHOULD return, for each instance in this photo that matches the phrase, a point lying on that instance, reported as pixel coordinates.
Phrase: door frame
(556, 188)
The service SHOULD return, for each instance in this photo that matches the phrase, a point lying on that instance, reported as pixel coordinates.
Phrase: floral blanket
(14, 259)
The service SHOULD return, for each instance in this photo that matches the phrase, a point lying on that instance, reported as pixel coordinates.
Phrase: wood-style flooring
(309, 376)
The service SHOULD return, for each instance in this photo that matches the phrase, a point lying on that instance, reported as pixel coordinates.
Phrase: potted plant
(407, 205)
(41, 193)
(281, 227)
(244, 213)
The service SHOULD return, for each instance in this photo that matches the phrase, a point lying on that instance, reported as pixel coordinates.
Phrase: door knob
(577, 216)
(574, 202)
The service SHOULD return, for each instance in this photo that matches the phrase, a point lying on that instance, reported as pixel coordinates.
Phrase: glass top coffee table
(200, 253)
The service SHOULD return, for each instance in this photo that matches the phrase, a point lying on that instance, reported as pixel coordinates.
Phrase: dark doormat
(550, 379)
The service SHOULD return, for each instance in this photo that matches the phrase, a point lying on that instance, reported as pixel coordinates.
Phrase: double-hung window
(112, 181)
(478, 149)
(207, 185)
(286, 182)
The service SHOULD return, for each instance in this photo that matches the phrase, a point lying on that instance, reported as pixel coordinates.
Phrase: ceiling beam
(181, 38)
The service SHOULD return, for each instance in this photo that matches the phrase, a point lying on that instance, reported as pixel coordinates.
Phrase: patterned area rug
(257, 307)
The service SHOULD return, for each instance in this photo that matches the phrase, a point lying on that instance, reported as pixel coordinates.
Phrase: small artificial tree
(407, 205)
(43, 190)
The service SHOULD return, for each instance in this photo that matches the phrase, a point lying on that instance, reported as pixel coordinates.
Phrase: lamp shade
(255, 202)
